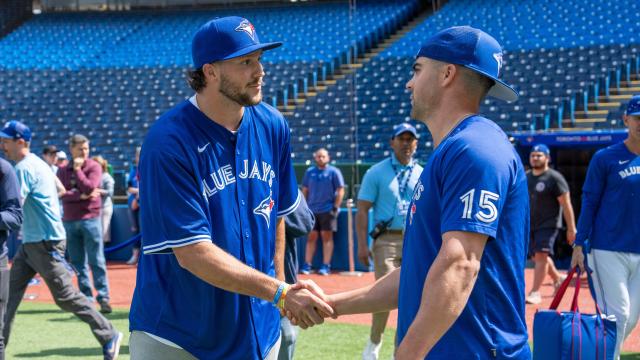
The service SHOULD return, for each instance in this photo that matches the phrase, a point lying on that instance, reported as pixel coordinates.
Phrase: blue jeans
(289, 334)
(84, 242)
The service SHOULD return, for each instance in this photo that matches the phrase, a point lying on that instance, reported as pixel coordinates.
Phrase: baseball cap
(16, 130)
(226, 38)
(473, 49)
(633, 107)
(61, 155)
(403, 128)
(540, 148)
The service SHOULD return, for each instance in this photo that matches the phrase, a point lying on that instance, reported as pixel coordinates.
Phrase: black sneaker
(105, 308)
(111, 349)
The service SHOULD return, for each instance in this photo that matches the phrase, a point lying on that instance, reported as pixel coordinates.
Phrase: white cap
(61, 155)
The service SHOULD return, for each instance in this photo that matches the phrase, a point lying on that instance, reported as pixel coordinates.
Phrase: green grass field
(42, 331)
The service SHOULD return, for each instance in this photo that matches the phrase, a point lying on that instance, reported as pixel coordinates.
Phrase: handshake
(306, 304)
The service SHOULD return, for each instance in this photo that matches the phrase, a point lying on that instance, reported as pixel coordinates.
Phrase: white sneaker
(371, 351)
(534, 298)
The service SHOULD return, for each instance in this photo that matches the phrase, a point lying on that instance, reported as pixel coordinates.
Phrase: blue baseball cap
(403, 128)
(473, 49)
(16, 130)
(226, 38)
(541, 148)
(633, 107)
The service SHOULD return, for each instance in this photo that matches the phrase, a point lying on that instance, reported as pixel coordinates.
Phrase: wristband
(278, 294)
(283, 297)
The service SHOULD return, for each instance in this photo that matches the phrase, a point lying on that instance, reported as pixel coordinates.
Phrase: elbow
(468, 269)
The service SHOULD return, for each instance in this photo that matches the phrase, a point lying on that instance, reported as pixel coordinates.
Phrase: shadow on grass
(40, 311)
(113, 316)
(70, 352)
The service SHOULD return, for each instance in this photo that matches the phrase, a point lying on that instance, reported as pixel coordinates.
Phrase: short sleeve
(288, 197)
(338, 180)
(474, 185)
(25, 179)
(561, 185)
(368, 189)
(172, 210)
(305, 178)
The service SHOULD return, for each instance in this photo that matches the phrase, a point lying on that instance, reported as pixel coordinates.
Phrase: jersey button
(242, 202)
(246, 234)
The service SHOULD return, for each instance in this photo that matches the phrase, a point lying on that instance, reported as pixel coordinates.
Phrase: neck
(220, 109)
(22, 154)
(321, 167)
(403, 160)
(633, 145)
(444, 119)
(540, 171)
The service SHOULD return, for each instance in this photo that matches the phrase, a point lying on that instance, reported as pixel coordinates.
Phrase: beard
(234, 93)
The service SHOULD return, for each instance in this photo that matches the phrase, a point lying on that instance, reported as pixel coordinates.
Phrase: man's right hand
(364, 254)
(577, 258)
(307, 308)
(77, 163)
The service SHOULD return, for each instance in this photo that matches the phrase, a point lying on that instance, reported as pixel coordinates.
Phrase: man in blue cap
(608, 227)
(460, 290)
(549, 198)
(216, 181)
(386, 188)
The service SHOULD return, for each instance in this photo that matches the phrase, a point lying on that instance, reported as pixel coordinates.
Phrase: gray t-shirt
(544, 189)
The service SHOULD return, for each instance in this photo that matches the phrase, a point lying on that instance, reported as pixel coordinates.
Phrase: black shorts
(326, 222)
(542, 240)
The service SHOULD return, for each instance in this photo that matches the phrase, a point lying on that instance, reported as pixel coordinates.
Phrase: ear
(211, 71)
(449, 73)
(625, 119)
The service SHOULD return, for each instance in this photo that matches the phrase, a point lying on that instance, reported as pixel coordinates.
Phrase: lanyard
(403, 176)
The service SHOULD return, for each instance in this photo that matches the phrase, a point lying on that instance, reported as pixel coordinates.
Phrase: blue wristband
(276, 298)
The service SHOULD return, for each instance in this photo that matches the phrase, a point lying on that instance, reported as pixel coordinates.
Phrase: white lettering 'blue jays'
(219, 179)
(264, 209)
(631, 170)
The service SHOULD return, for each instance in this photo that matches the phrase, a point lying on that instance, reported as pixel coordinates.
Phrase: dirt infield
(122, 281)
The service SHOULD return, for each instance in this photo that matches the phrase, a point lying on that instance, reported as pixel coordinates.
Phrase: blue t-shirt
(41, 207)
(475, 182)
(322, 185)
(200, 182)
(611, 201)
(389, 186)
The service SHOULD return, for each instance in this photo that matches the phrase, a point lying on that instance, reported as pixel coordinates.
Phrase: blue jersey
(475, 182)
(322, 185)
(200, 182)
(611, 201)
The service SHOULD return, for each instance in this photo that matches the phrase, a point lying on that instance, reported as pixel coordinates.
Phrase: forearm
(569, 217)
(445, 294)
(278, 258)
(362, 220)
(379, 296)
(587, 217)
(86, 183)
(220, 269)
(11, 216)
(339, 197)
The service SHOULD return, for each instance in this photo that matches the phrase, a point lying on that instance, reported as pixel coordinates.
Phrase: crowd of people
(216, 200)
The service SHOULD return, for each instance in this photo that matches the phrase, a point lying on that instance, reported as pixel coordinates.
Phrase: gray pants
(47, 259)
(144, 347)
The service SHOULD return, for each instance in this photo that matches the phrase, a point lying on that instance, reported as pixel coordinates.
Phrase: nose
(409, 84)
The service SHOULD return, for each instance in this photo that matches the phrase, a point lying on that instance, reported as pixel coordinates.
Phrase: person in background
(10, 220)
(323, 188)
(549, 198)
(609, 228)
(61, 160)
(106, 193)
(82, 205)
(133, 200)
(50, 156)
(297, 224)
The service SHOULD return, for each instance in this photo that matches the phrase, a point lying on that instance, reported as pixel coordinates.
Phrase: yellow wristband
(283, 296)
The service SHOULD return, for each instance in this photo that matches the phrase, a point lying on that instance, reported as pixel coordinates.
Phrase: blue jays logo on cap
(16, 130)
(473, 49)
(633, 107)
(247, 27)
(225, 38)
(403, 128)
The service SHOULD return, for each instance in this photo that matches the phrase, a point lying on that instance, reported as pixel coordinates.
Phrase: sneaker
(371, 351)
(324, 270)
(111, 349)
(306, 269)
(105, 307)
(534, 298)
